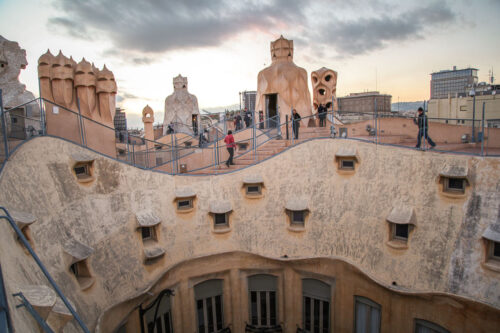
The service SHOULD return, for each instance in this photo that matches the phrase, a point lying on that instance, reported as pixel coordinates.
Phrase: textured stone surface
(12, 60)
(346, 219)
(180, 107)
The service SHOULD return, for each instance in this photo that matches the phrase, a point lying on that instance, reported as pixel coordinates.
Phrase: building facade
(120, 120)
(365, 102)
(248, 100)
(452, 82)
(464, 108)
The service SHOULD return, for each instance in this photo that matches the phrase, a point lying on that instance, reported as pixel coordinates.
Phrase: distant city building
(120, 120)
(365, 102)
(459, 108)
(248, 100)
(452, 82)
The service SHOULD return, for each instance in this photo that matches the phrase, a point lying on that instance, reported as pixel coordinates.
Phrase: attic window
(401, 222)
(297, 212)
(253, 185)
(184, 199)
(220, 212)
(78, 254)
(454, 180)
(298, 217)
(148, 233)
(81, 271)
(347, 158)
(346, 164)
(221, 220)
(494, 250)
(492, 241)
(400, 232)
(454, 185)
(184, 204)
(83, 168)
(23, 221)
(253, 189)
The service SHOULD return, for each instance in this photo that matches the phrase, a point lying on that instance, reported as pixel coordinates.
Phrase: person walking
(295, 123)
(230, 145)
(322, 115)
(423, 127)
(247, 118)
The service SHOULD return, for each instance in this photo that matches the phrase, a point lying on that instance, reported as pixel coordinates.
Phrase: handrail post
(376, 127)
(278, 120)
(43, 269)
(42, 109)
(80, 121)
(147, 155)
(172, 152)
(254, 139)
(293, 125)
(424, 139)
(4, 128)
(482, 131)
(175, 154)
(286, 127)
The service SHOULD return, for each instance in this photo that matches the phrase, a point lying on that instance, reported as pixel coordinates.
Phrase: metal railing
(173, 153)
(54, 285)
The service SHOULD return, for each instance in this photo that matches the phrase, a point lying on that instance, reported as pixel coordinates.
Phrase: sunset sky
(221, 45)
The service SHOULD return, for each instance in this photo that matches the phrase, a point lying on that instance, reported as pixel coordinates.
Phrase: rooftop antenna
(492, 78)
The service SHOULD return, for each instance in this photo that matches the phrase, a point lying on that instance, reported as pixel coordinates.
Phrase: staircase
(243, 159)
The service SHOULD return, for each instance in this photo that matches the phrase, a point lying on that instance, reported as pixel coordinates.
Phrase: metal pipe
(482, 130)
(4, 128)
(376, 127)
(286, 127)
(473, 117)
(42, 268)
(42, 109)
(80, 121)
(254, 139)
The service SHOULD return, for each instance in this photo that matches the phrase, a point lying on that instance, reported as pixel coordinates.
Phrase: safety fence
(200, 150)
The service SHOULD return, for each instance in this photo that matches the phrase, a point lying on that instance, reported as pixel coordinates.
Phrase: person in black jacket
(322, 115)
(295, 123)
(423, 127)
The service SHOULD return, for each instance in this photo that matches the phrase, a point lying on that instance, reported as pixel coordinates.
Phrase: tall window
(208, 297)
(316, 306)
(163, 321)
(263, 300)
(367, 315)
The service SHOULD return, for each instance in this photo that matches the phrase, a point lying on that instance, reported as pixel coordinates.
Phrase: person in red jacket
(230, 145)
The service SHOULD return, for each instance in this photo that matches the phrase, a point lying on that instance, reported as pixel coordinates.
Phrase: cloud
(365, 34)
(74, 29)
(152, 26)
(123, 95)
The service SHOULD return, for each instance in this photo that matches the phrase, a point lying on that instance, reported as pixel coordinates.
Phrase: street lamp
(472, 93)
